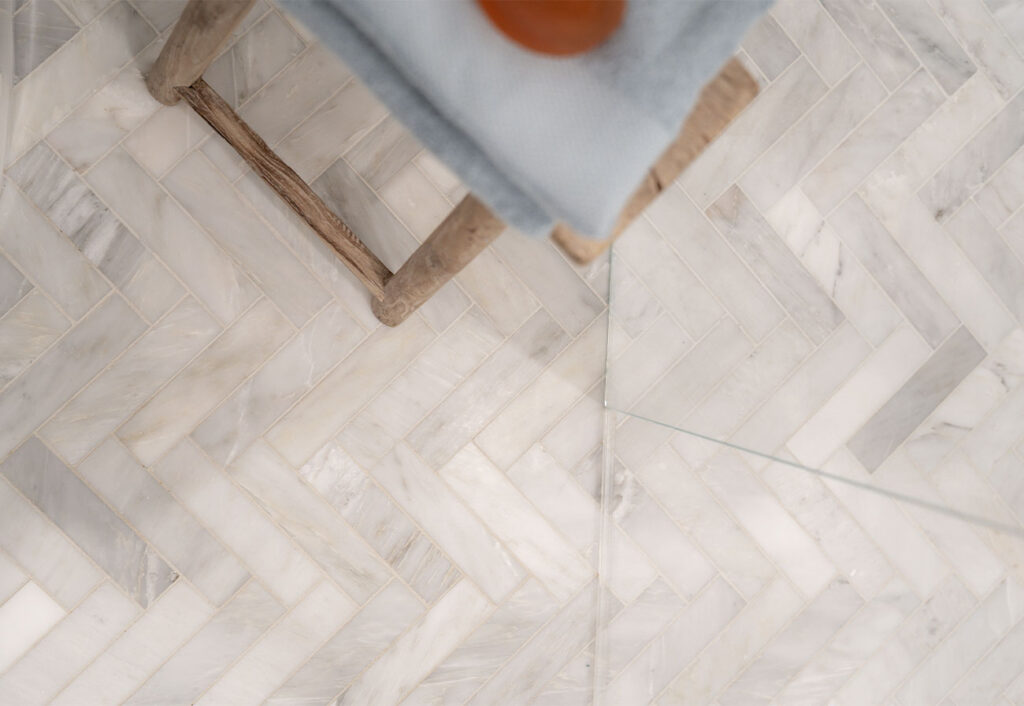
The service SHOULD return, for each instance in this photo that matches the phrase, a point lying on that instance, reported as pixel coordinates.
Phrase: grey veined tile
(937, 48)
(40, 28)
(47, 482)
(879, 44)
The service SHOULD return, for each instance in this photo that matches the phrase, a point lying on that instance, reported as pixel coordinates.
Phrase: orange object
(558, 27)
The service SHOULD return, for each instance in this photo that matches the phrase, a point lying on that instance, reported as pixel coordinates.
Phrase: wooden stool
(204, 27)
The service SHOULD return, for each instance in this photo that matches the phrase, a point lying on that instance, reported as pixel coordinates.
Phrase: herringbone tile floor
(221, 481)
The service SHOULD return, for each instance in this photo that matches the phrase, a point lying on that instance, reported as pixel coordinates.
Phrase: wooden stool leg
(201, 31)
(461, 236)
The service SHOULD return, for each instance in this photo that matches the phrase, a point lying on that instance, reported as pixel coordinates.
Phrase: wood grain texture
(467, 230)
(201, 31)
(720, 101)
(288, 185)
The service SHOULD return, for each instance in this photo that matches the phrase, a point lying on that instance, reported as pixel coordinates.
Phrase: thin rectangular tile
(812, 137)
(384, 150)
(860, 397)
(538, 546)
(140, 649)
(71, 645)
(639, 622)
(794, 646)
(41, 252)
(752, 132)
(457, 531)
(177, 408)
(26, 330)
(721, 271)
(310, 521)
(916, 399)
(840, 537)
(48, 95)
(763, 517)
(207, 655)
(13, 285)
(498, 379)
(483, 651)
(817, 35)
(283, 648)
(71, 505)
(735, 645)
(290, 373)
(48, 555)
(141, 500)
(542, 402)
(644, 361)
(167, 136)
(498, 292)
(415, 200)
(149, 363)
(1004, 193)
(768, 257)
(325, 409)
(688, 501)
(40, 28)
(369, 510)
(990, 255)
(165, 228)
(553, 280)
(579, 431)
(861, 231)
(345, 655)
(415, 654)
(995, 671)
(976, 161)
(25, 616)
(544, 655)
(872, 141)
(663, 658)
(152, 289)
(900, 540)
(938, 50)
(216, 206)
(876, 40)
(980, 34)
(232, 517)
(942, 262)
(676, 555)
(12, 578)
(769, 47)
(51, 380)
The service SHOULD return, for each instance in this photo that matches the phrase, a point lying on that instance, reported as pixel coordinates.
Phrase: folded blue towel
(539, 139)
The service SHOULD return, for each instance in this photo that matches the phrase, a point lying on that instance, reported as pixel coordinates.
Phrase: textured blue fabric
(539, 139)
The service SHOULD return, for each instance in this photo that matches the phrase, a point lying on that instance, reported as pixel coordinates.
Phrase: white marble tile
(721, 271)
(151, 288)
(734, 645)
(310, 521)
(926, 34)
(415, 654)
(348, 652)
(71, 645)
(165, 137)
(95, 54)
(995, 671)
(458, 532)
(322, 412)
(441, 176)
(229, 514)
(502, 376)
(415, 200)
(218, 208)
(45, 256)
(817, 35)
(385, 150)
(284, 647)
(906, 547)
(49, 556)
(495, 288)
(25, 617)
(289, 374)
(752, 132)
(677, 646)
(209, 653)
(580, 431)
(512, 518)
(112, 396)
(48, 383)
(141, 500)
(980, 34)
(12, 578)
(812, 137)
(879, 134)
(1004, 193)
(876, 40)
(164, 227)
(769, 46)
(140, 649)
(880, 376)
(174, 411)
(647, 359)
(26, 330)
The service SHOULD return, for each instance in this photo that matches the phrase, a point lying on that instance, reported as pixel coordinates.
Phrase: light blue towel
(539, 139)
